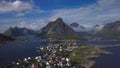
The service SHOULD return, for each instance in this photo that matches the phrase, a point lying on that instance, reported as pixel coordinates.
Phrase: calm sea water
(102, 43)
(109, 61)
(13, 51)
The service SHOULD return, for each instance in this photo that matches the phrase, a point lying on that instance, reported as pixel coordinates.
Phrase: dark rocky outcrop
(4, 38)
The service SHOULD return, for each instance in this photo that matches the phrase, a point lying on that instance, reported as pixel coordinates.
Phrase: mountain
(58, 29)
(111, 30)
(77, 27)
(15, 31)
(4, 38)
(95, 29)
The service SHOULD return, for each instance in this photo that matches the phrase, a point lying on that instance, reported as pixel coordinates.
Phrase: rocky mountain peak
(59, 20)
(57, 29)
(74, 25)
(77, 27)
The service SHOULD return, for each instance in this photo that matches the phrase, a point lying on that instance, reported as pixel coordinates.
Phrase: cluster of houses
(55, 55)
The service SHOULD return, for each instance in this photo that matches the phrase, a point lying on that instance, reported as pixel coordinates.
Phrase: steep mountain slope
(57, 29)
(111, 30)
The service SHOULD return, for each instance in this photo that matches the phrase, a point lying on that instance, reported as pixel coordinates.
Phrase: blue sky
(35, 14)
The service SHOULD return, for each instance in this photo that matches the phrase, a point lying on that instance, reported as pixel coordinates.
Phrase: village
(60, 54)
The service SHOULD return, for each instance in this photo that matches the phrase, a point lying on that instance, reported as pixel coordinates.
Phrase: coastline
(82, 52)
(91, 63)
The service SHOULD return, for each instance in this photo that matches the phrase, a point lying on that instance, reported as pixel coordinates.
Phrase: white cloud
(22, 24)
(27, 24)
(20, 14)
(33, 25)
(109, 3)
(101, 12)
(18, 7)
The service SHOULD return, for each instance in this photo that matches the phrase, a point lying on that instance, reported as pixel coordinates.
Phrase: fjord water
(109, 61)
(102, 42)
(13, 51)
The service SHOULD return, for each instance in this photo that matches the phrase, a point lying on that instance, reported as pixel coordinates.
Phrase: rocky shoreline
(91, 63)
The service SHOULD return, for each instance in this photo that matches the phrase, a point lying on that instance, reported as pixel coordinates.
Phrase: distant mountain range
(58, 29)
(79, 28)
(109, 30)
(16, 31)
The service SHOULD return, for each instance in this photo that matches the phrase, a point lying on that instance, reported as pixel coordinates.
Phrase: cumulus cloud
(18, 7)
(103, 11)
